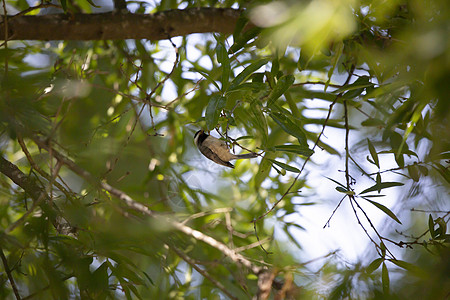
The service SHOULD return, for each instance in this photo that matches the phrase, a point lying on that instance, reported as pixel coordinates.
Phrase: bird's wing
(209, 153)
(219, 148)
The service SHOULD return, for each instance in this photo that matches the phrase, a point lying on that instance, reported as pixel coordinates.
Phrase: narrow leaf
(290, 127)
(285, 166)
(260, 124)
(282, 85)
(334, 61)
(249, 86)
(445, 173)
(223, 59)
(206, 75)
(373, 122)
(431, 226)
(380, 186)
(64, 5)
(298, 149)
(215, 106)
(249, 70)
(92, 3)
(373, 153)
(341, 189)
(385, 279)
(242, 39)
(361, 82)
(375, 264)
(413, 172)
(336, 182)
(385, 210)
(405, 265)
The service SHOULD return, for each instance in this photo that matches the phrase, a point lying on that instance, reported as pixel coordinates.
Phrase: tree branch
(22, 180)
(131, 203)
(113, 26)
(8, 273)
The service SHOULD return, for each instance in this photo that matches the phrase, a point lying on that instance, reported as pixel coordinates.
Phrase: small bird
(217, 150)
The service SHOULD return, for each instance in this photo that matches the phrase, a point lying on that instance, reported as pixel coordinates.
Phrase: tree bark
(118, 26)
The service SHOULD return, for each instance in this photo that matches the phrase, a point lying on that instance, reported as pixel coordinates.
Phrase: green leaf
(373, 153)
(413, 172)
(339, 47)
(275, 67)
(92, 3)
(215, 106)
(341, 189)
(263, 170)
(431, 226)
(407, 266)
(240, 24)
(63, 5)
(383, 249)
(100, 277)
(260, 123)
(285, 166)
(282, 85)
(385, 279)
(360, 83)
(337, 182)
(223, 59)
(384, 209)
(375, 264)
(298, 149)
(206, 75)
(249, 70)
(423, 170)
(442, 227)
(290, 127)
(149, 278)
(249, 86)
(373, 122)
(380, 186)
(242, 39)
(445, 173)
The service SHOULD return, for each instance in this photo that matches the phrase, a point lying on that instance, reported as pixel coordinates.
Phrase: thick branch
(117, 26)
(22, 180)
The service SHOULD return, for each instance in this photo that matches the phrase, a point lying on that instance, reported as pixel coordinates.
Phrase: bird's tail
(247, 155)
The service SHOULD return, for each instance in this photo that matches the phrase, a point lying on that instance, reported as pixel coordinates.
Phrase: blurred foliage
(126, 111)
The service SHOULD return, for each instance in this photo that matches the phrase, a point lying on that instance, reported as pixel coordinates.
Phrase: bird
(217, 150)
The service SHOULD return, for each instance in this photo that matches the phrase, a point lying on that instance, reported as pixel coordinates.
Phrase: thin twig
(347, 150)
(205, 213)
(5, 19)
(316, 82)
(315, 145)
(34, 294)
(204, 273)
(131, 203)
(253, 245)
(132, 97)
(377, 247)
(259, 241)
(38, 169)
(196, 87)
(8, 273)
(31, 8)
(26, 214)
(373, 226)
(149, 96)
(334, 211)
